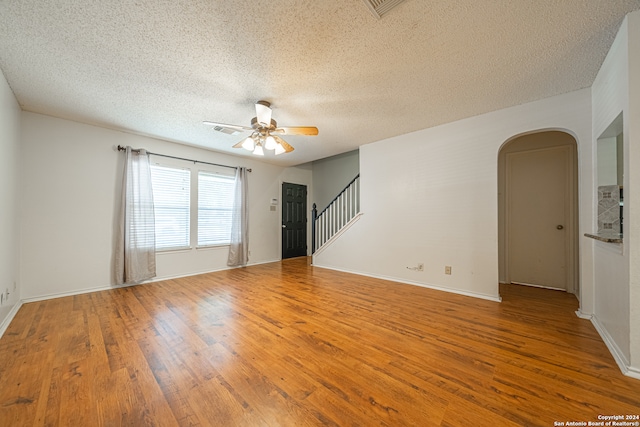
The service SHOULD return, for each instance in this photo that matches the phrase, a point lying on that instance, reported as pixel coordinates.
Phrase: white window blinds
(215, 204)
(171, 198)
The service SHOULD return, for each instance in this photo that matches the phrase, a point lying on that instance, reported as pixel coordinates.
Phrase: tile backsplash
(609, 209)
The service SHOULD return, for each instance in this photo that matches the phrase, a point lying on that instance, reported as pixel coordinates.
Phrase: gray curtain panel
(135, 258)
(239, 247)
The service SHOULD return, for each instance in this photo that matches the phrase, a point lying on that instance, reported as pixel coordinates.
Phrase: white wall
(431, 197)
(71, 182)
(9, 201)
(610, 96)
(607, 161)
(332, 175)
(632, 193)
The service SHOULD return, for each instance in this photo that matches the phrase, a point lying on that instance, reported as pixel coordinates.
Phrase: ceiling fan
(265, 132)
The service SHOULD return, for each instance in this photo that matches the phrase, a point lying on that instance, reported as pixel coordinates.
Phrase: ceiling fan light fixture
(280, 149)
(258, 150)
(249, 143)
(270, 143)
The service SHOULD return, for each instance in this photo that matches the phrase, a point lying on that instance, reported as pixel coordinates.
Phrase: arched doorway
(538, 210)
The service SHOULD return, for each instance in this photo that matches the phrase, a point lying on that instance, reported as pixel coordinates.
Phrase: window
(192, 207)
(171, 200)
(215, 205)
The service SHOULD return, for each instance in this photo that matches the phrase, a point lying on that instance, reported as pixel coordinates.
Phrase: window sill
(221, 245)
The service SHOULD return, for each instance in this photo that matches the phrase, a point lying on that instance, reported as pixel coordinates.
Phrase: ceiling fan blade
(239, 144)
(263, 112)
(287, 148)
(297, 130)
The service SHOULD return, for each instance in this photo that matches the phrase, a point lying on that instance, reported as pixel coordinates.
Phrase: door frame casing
(572, 265)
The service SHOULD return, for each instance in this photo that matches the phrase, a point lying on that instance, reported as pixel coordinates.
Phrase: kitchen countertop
(606, 237)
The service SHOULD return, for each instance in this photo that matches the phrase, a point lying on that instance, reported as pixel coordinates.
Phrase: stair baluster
(342, 209)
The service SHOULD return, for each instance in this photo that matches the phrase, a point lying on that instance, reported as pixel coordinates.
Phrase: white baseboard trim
(615, 351)
(7, 320)
(196, 273)
(582, 315)
(76, 292)
(633, 373)
(423, 285)
(126, 285)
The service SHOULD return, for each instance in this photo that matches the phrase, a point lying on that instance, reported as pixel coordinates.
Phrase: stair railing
(342, 209)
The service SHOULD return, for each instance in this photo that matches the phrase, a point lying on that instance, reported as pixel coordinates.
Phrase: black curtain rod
(121, 148)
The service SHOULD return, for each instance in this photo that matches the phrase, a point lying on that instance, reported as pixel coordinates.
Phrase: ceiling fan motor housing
(259, 126)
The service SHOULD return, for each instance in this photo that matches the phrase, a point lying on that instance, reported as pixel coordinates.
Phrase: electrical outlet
(447, 269)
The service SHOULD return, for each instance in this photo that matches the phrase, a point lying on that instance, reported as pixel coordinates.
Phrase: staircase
(342, 210)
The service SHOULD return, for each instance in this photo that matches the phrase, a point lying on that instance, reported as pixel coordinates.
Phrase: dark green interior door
(294, 220)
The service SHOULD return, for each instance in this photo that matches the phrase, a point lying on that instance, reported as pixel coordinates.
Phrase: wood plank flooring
(288, 344)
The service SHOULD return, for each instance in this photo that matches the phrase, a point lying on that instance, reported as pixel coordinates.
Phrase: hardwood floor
(287, 344)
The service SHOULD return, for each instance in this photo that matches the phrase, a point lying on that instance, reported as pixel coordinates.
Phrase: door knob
(284, 226)
(560, 227)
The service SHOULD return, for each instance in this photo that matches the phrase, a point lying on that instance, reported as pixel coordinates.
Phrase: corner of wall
(6, 321)
(10, 117)
(632, 189)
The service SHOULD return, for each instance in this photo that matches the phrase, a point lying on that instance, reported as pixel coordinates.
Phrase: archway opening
(538, 211)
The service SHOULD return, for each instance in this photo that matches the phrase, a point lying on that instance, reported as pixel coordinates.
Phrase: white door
(538, 195)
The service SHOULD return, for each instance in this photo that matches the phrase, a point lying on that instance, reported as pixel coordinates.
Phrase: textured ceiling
(161, 67)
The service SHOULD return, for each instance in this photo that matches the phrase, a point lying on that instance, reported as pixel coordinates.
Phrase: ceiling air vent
(226, 130)
(380, 7)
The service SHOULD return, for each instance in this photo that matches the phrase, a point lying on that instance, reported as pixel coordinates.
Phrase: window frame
(195, 169)
(231, 178)
(189, 216)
